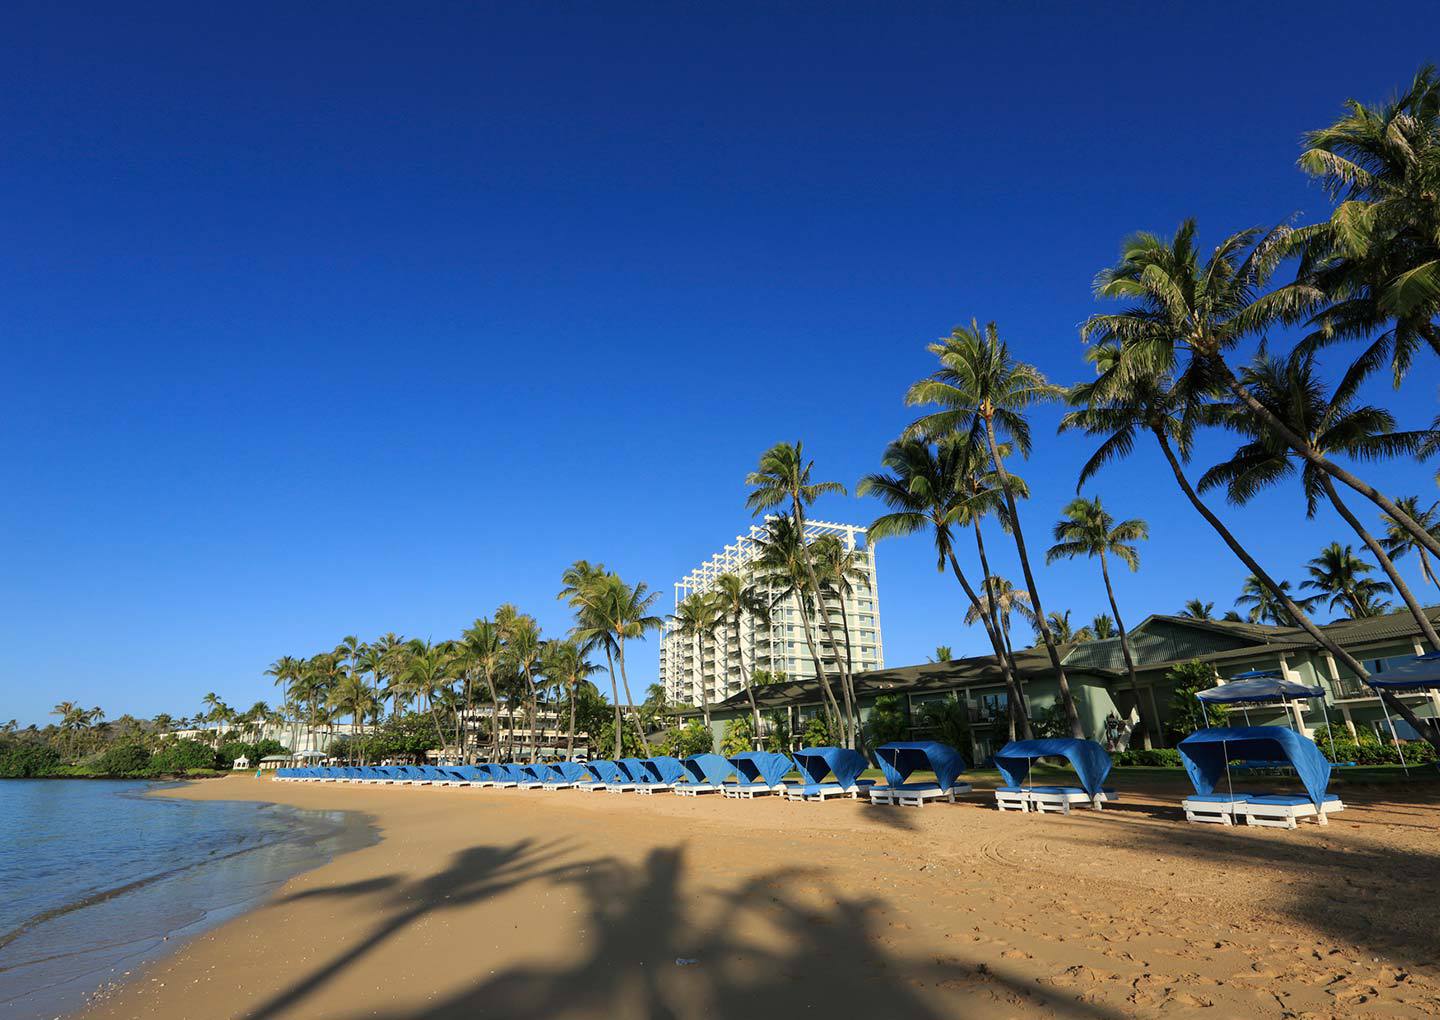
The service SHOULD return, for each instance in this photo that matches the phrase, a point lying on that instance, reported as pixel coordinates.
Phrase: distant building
(691, 664)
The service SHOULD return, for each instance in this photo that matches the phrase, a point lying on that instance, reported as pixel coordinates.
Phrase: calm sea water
(95, 878)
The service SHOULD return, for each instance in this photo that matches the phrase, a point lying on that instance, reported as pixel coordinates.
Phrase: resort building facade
(1106, 700)
(709, 667)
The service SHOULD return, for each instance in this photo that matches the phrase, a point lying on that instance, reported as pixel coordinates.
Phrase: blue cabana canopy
(633, 770)
(899, 759)
(572, 771)
(512, 773)
(1418, 674)
(1091, 761)
(815, 763)
(1207, 752)
(1259, 687)
(544, 773)
(663, 769)
(603, 771)
(766, 767)
(708, 768)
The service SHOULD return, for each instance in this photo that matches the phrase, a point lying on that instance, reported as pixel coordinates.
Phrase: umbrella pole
(1229, 783)
(1395, 737)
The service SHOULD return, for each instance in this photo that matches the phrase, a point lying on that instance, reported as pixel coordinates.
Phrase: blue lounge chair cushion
(1288, 799)
(1219, 798)
(1009, 789)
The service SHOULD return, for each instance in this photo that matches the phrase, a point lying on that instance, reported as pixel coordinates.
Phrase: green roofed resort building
(1103, 694)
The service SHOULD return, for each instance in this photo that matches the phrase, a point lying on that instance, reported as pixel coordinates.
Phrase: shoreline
(506, 903)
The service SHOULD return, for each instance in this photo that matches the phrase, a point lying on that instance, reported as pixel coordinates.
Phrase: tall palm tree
(696, 617)
(931, 488)
(566, 666)
(630, 616)
(1086, 528)
(983, 392)
(782, 477)
(522, 642)
(587, 588)
(1339, 575)
(484, 653)
(1103, 627)
(785, 566)
(736, 600)
(1377, 259)
(1060, 626)
(286, 672)
(1330, 423)
(1263, 607)
(1398, 541)
(426, 676)
(840, 570)
(1000, 601)
(356, 698)
(1183, 306)
(1127, 401)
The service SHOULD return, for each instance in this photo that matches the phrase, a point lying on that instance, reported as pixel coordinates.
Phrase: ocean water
(96, 878)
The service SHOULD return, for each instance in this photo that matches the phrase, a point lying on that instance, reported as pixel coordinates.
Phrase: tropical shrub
(123, 760)
(1416, 752)
(27, 760)
(1187, 712)
(817, 733)
(1052, 722)
(777, 739)
(886, 721)
(1158, 756)
(692, 738)
(739, 736)
(949, 722)
(179, 755)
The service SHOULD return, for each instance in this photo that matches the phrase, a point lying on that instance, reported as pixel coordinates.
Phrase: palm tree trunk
(850, 692)
(698, 643)
(832, 708)
(1019, 715)
(494, 715)
(745, 678)
(1147, 731)
(1300, 446)
(984, 611)
(615, 696)
(849, 726)
(1296, 613)
(1386, 564)
(634, 713)
(570, 733)
(1066, 698)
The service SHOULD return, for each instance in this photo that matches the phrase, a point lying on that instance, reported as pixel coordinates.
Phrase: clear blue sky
(349, 318)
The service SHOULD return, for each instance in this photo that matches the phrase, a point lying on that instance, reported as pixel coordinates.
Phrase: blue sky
(324, 320)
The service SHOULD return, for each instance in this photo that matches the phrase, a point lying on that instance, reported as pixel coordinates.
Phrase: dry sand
(502, 903)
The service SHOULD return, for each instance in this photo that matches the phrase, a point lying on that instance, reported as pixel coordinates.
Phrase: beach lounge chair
(387, 775)
(1090, 761)
(901, 758)
(661, 774)
(632, 774)
(704, 773)
(1206, 755)
(759, 773)
(537, 775)
(506, 775)
(815, 763)
(600, 773)
(570, 773)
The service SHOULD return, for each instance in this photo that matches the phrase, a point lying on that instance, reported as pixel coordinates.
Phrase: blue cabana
(763, 767)
(1418, 674)
(572, 772)
(662, 770)
(708, 769)
(632, 770)
(603, 771)
(815, 763)
(1090, 760)
(900, 758)
(1208, 753)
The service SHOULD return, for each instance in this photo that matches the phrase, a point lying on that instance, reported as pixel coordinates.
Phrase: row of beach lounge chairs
(816, 774)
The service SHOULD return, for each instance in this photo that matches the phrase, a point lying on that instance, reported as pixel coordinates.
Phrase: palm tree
(1337, 573)
(1377, 259)
(784, 564)
(928, 487)
(588, 590)
(841, 569)
(630, 617)
(1125, 401)
(783, 476)
(982, 391)
(696, 617)
(565, 665)
(736, 599)
(1086, 528)
(1003, 599)
(1331, 424)
(522, 642)
(1397, 541)
(943, 653)
(1060, 626)
(1103, 627)
(484, 652)
(355, 698)
(426, 676)
(1263, 607)
(1184, 306)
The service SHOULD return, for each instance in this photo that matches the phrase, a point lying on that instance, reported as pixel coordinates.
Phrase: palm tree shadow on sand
(475, 874)
(779, 945)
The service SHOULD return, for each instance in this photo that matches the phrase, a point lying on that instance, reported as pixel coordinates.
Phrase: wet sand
(503, 903)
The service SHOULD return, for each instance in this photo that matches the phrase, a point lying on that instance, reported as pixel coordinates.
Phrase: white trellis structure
(687, 662)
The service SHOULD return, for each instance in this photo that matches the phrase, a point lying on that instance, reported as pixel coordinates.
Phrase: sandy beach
(481, 903)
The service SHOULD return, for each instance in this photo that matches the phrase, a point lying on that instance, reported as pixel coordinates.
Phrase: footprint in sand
(1016, 954)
